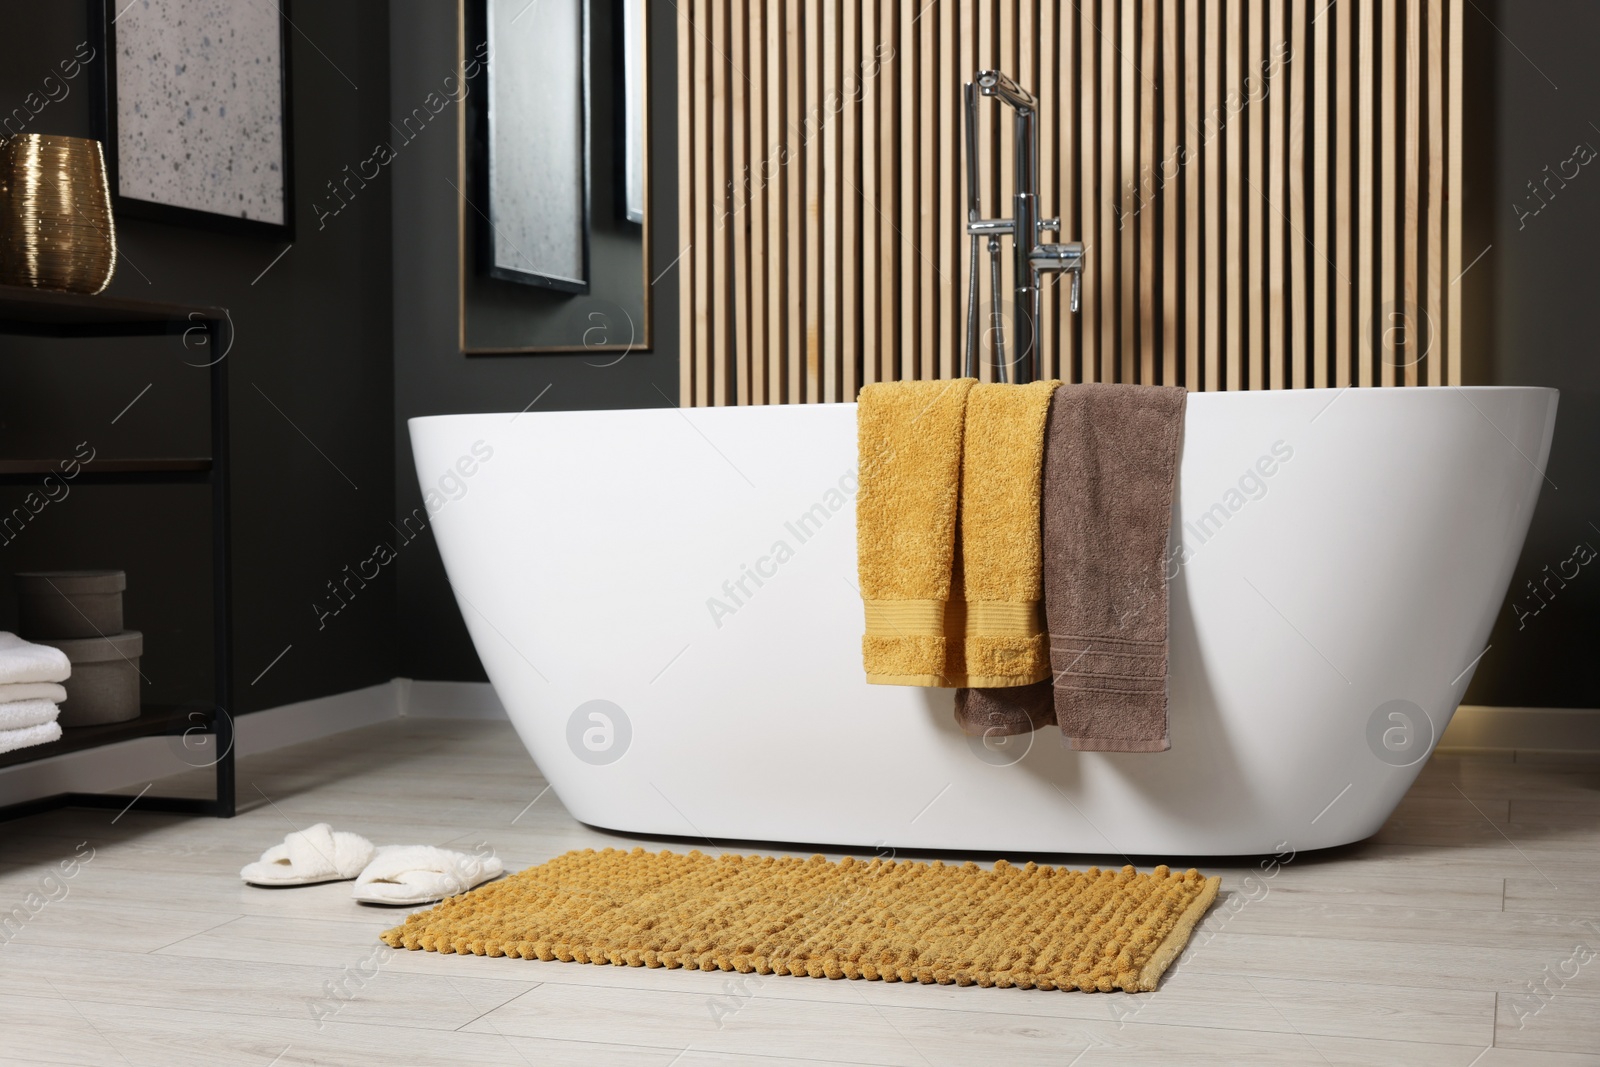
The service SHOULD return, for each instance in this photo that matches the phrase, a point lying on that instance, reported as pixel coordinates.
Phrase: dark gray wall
(314, 481)
(431, 375)
(1534, 96)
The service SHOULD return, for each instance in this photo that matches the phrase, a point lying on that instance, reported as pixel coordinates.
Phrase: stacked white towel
(30, 690)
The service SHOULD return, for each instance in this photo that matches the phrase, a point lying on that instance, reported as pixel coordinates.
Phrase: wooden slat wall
(1269, 190)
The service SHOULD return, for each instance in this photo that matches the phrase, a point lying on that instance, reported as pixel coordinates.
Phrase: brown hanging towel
(1111, 462)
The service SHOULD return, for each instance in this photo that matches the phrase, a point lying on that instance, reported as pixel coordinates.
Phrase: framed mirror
(553, 177)
(534, 176)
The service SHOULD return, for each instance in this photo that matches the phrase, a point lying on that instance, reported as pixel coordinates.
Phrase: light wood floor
(1417, 948)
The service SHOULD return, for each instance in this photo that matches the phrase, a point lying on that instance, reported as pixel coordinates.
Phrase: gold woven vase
(56, 230)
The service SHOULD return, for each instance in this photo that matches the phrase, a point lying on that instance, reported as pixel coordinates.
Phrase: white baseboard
(448, 700)
(1473, 729)
(1476, 728)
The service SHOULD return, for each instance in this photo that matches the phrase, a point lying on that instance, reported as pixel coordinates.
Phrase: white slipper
(316, 854)
(421, 874)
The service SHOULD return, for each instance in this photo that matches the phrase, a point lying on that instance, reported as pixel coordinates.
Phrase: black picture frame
(102, 28)
(479, 119)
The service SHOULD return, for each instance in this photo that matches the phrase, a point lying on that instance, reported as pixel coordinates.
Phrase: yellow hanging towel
(909, 436)
(947, 532)
(996, 604)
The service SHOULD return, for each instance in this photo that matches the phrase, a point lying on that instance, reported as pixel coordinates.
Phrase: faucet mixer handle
(1061, 257)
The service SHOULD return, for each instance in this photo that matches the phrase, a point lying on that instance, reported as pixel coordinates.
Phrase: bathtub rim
(1419, 390)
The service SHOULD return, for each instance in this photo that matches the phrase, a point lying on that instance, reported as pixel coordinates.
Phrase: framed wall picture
(194, 110)
(536, 172)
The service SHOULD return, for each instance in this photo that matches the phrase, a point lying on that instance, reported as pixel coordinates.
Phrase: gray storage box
(104, 686)
(62, 604)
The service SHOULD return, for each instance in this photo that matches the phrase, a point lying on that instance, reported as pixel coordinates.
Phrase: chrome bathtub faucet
(1025, 226)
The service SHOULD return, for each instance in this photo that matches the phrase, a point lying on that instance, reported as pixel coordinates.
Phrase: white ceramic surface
(1324, 623)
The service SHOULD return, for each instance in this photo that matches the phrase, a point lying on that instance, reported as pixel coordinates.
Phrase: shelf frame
(42, 313)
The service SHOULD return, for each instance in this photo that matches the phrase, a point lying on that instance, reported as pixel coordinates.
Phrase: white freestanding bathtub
(665, 602)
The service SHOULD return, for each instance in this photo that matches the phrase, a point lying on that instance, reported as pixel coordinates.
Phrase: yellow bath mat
(1030, 926)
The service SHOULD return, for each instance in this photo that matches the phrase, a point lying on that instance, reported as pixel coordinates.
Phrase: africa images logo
(598, 732)
(1400, 733)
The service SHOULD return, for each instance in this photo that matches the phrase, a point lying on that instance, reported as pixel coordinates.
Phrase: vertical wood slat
(702, 223)
(927, 215)
(1233, 280)
(1192, 138)
(1069, 83)
(1411, 287)
(1108, 191)
(1052, 344)
(1381, 333)
(755, 208)
(722, 322)
(765, 248)
(1089, 158)
(1366, 173)
(906, 252)
(1255, 215)
(1343, 176)
(1298, 247)
(736, 218)
(774, 166)
(1435, 204)
(888, 247)
(1345, 104)
(949, 217)
(850, 235)
(814, 140)
(1211, 131)
(870, 266)
(1255, 197)
(687, 203)
(1320, 203)
(1275, 205)
(1166, 178)
(794, 193)
(1126, 183)
(828, 120)
(967, 63)
(1143, 181)
(1452, 325)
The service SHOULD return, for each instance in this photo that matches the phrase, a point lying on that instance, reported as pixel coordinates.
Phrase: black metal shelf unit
(41, 313)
